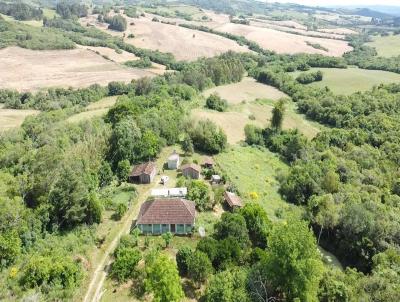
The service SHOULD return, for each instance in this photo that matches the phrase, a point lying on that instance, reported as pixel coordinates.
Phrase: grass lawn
(95, 109)
(386, 46)
(350, 80)
(255, 170)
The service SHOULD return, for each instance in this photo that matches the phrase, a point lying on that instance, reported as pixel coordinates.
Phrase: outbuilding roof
(167, 211)
(145, 168)
(232, 199)
(191, 166)
(208, 161)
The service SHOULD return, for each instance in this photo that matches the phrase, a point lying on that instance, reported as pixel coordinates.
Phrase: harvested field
(246, 90)
(233, 122)
(24, 69)
(12, 118)
(111, 53)
(283, 42)
(339, 31)
(184, 43)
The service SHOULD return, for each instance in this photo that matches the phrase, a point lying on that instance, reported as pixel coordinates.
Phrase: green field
(255, 170)
(386, 46)
(350, 80)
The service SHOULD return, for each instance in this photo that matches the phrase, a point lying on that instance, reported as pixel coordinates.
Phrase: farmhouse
(208, 162)
(232, 200)
(191, 171)
(143, 173)
(173, 161)
(175, 215)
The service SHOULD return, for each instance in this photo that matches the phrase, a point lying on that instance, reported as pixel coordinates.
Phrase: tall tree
(278, 114)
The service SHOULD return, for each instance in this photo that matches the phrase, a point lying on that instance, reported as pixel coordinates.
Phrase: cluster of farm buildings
(168, 210)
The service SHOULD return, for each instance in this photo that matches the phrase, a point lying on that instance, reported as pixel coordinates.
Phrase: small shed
(173, 161)
(191, 171)
(208, 162)
(232, 200)
(215, 179)
(143, 173)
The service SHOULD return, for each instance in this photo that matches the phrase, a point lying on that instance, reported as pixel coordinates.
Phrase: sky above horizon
(341, 2)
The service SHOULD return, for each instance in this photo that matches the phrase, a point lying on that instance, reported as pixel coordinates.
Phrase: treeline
(69, 10)
(21, 11)
(310, 77)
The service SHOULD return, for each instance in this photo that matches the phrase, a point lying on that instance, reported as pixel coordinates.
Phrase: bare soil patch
(283, 42)
(28, 70)
(246, 90)
(12, 118)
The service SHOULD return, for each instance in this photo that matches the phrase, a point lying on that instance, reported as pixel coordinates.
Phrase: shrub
(215, 102)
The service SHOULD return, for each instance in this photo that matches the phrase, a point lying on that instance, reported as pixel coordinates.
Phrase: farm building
(175, 215)
(171, 192)
(173, 161)
(208, 162)
(215, 179)
(232, 200)
(143, 173)
(191, 171)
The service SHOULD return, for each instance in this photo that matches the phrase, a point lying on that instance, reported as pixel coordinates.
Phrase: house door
(173, 228)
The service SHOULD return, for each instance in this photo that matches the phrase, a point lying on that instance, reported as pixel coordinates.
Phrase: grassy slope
(255, 170)
(348, 81)
(386, 46)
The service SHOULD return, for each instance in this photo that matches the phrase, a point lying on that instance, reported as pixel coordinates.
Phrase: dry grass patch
(111, 53)
(95, 109)
(246, 90)
(28, 70)
(12, 118)
(283, 42)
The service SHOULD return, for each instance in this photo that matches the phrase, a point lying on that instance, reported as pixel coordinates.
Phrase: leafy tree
(292, 263)
(116, 22)
(125, 265)
(105, 174)
(120, 211)
(187, 145)
(150, 145)
(209, 246)
(162, 279)
(167, 237)
(331, 182)
(227, 286)
(198, 192)
(278, 114)
(207, 137)
(234, 226)
(254, 135)
(215, 102)
(257, 223)
(199, 267)
(123, 170)
(182, 258)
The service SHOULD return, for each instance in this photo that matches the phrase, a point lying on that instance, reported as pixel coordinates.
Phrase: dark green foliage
(198, 267)
(278, 114)
(120, 211)
(310, 77)
(125, 264)
(215, 102)
(254, 135)
(207, 137)
(182, 258)
(116, 22)
(123, 170)
(258, 224)
(105, 174)
(233, 226)
(141, 63)
(69, 10)
(21, 11)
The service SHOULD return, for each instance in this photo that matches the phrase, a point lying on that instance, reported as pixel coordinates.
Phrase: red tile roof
(191, 166)
(232, 199)
(167, 211)
(145, 168)
(208, 161)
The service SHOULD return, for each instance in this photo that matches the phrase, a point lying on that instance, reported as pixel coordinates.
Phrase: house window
(156, 228)
(165, 228)
(180, 228)
(146, 228)
(188, 228)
